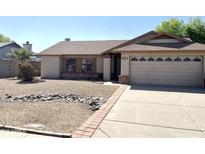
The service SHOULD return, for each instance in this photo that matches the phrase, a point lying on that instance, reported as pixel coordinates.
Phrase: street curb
(87, 129)
(33, 131)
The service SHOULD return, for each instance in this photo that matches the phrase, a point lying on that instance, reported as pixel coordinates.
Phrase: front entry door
(116, 66)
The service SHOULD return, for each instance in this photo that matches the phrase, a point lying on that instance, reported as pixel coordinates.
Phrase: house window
(87, 65)
(71, 65)
(168, 59)
(142, 59)
(159, 59)
(150, 59)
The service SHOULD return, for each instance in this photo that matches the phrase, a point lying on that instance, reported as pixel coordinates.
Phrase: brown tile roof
(81, 47)
(136, 44)
(162, 47)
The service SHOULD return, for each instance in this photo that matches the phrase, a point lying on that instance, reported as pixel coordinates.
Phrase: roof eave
(157, 50)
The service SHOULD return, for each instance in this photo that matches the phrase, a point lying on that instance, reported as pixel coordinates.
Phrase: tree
(4, 38)
(195, 30)
(172, 26)
(22, 55)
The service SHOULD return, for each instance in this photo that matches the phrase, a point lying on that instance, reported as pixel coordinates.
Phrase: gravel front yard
(84, 88)
(55, 115)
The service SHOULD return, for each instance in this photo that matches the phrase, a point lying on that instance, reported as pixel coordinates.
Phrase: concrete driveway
(156, 111)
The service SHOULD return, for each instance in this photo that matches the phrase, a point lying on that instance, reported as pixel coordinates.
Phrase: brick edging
(87, 129)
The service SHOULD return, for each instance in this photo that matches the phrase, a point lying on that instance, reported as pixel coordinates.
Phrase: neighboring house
(9, 66)
(152, 58)
(6, 48)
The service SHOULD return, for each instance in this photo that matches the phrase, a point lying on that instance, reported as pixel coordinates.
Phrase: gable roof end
(166, 34)
(3, 44)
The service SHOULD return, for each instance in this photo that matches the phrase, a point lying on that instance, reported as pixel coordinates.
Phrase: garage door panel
(166, 73)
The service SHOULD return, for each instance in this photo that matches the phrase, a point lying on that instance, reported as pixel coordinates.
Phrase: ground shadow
(34, 81)
(169, 88)
(26, 82)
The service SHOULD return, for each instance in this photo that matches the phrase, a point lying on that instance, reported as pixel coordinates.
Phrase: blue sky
(43, 32)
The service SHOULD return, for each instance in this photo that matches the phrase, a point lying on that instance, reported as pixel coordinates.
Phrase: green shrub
(26, 72)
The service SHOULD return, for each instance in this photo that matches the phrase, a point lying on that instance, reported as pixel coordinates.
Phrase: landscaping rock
(93, 102)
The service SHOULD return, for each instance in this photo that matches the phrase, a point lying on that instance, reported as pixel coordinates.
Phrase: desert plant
(36, 73)
(22, 55)
(26, 71)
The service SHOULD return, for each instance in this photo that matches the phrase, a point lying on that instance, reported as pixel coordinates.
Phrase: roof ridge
(93, 40)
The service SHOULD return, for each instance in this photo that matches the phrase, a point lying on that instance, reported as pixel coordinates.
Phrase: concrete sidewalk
(145, 111)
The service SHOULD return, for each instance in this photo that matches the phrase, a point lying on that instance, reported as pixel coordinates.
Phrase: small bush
(26, 72)
(36, 73)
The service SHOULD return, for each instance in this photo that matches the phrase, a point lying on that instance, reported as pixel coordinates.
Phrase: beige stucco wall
(106, 68)
(50, 67)
(125, 64)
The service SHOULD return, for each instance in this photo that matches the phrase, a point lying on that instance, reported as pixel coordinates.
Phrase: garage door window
(168, 59)
(196, 59)
(134, 59)
(142, 59)
(187, 59)
(177, 59)
(159, 59)
(150, 59)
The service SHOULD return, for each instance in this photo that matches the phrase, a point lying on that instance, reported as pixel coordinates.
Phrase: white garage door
(164, 70)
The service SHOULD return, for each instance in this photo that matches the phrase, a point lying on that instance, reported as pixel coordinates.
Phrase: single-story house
(153, 58)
